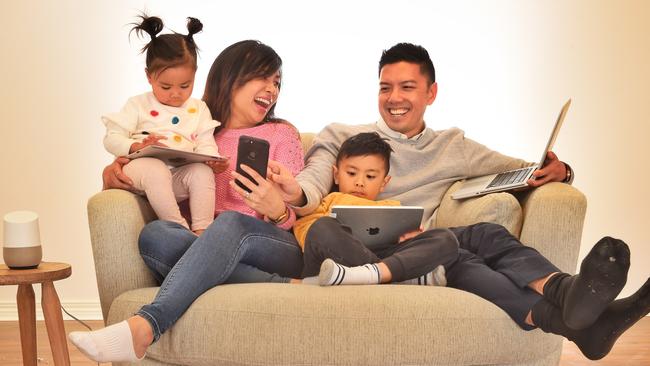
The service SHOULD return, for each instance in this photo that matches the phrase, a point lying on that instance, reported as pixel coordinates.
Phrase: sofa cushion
(279, 324)
(500, 208)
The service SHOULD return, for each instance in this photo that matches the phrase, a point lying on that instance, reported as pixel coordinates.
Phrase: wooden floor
(632, 349)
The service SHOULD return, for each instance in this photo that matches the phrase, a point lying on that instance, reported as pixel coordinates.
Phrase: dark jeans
(328, 238)
(494, 265)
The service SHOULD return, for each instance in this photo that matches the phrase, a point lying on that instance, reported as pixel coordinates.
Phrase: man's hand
(410, 235)
(553, 171)
(114, 177)
(286, 183)
(152, 139)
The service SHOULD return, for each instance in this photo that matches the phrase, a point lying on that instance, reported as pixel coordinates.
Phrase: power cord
(78, 321)
(75, 318)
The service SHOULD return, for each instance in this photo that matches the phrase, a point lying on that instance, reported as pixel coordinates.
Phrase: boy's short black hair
(410, 53)
(365, 143)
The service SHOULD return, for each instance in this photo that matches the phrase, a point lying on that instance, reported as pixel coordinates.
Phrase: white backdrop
(504, 69)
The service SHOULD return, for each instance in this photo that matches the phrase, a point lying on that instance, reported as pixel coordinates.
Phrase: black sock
(602, 276)
(596, 341)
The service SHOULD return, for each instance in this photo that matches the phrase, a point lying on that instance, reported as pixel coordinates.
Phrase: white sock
(433, 278)
(332, 274)
(310, 280)
(111, 344)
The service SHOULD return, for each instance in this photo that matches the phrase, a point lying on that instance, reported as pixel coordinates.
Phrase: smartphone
(253, 152)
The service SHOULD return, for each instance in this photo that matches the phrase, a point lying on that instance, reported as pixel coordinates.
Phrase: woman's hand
(218, 166)
(264, 197)
(285, 182)
(114, 177)
(152, 139)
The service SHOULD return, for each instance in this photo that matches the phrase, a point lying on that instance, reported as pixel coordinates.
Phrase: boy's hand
(152, 139)
(410, 235)
(218, 166)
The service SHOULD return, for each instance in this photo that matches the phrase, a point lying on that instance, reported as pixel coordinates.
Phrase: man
(536, 294)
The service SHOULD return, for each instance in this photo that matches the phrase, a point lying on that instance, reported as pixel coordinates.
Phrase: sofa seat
(279, 324)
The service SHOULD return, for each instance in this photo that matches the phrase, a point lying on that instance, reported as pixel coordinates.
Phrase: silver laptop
(512, 179)
(379, 226)
(171, 156)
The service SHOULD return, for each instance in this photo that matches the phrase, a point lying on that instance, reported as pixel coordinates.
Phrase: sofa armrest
(116, 218)
(554, 216)
(500, 208)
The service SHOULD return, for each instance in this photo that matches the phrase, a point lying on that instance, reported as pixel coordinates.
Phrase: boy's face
(361, 176)
(404, 94)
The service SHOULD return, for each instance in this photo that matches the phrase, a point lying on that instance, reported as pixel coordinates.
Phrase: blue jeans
(234, 248)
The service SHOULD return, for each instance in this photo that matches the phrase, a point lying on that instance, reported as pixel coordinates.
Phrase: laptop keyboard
(511, 177)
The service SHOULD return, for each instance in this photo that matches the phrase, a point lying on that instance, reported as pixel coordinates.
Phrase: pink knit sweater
(285, 148)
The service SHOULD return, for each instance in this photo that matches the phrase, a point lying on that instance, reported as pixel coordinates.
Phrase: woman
(241, 91)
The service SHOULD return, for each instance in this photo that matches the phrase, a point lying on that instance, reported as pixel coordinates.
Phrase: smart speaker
(22, 240)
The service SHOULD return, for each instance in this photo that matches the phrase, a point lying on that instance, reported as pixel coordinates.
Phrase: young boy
(332, 252)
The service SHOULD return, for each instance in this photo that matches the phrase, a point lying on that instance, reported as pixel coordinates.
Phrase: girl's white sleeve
(204, 143)
(119, 128)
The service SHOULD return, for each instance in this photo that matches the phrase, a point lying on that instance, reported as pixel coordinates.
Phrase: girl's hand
(264, 198)
(152, 139)
(218, 166)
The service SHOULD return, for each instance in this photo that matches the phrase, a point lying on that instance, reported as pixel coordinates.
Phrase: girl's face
(172, 86)
(253, 100)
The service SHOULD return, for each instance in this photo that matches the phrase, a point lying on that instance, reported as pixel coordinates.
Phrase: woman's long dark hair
(238, 64)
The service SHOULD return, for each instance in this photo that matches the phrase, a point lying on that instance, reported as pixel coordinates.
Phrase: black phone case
(253, 152)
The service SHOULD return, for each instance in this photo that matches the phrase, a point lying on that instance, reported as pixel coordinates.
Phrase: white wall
(502, 66)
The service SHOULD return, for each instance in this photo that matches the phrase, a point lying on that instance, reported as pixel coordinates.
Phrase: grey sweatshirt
(422, 167)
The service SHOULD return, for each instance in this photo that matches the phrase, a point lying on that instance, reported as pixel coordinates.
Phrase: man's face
(404, 94)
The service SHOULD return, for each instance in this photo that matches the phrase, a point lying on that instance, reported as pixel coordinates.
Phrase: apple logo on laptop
(373, 230)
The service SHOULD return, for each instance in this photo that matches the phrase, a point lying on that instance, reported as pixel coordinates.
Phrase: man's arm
(481, 161)
(316, 178)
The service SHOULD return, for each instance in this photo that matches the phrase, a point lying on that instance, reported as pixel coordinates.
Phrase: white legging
(165, 188)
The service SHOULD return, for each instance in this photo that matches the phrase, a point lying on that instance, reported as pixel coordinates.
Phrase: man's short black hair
(410, 53)
(365, 143)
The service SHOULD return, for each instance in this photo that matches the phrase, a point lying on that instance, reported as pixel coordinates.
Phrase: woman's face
(253, 100)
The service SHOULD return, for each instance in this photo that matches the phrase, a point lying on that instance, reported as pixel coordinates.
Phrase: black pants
(494, 265)
(328, 238)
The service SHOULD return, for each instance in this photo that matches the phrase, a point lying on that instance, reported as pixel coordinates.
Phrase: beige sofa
(275, 324)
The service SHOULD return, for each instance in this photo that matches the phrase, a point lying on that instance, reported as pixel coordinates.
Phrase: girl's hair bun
(150, 25)
(193, 26)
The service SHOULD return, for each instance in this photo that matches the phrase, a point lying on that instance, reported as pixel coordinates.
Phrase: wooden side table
(45, 274)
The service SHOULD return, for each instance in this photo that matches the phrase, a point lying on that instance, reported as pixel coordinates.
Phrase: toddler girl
(167, 116)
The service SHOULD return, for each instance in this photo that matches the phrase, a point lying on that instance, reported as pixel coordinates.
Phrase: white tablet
(171, 156)
(379, 226)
